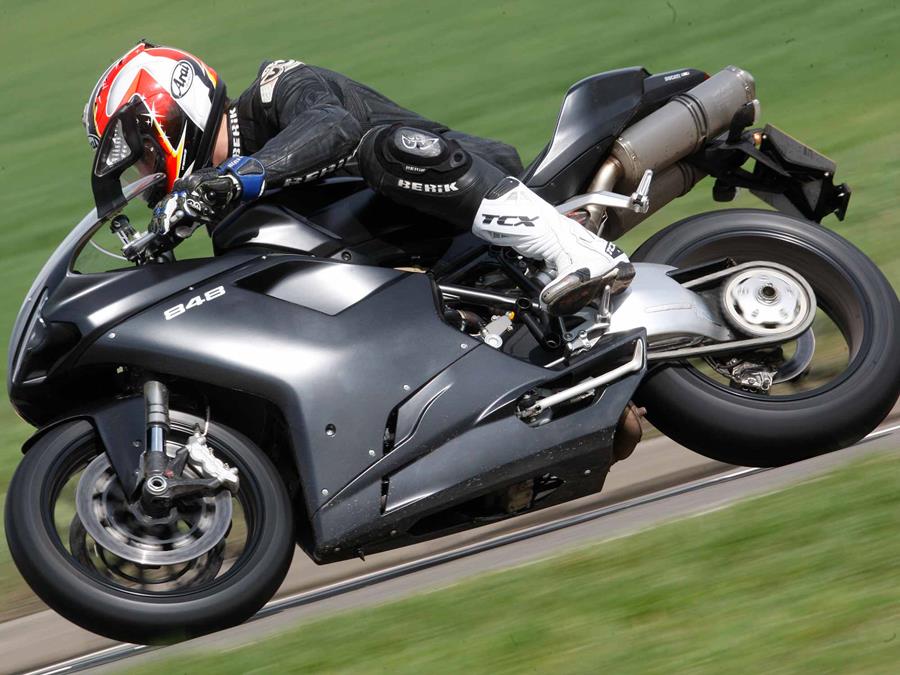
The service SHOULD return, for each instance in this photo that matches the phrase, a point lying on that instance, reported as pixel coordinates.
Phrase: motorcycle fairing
(343, 371)
(57, 267)
(92, 304)
(338, 375)
(459, 438)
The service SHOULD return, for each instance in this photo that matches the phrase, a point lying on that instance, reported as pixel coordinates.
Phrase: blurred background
(826, 73)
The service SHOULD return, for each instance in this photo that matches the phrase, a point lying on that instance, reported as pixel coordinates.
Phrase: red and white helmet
(180, 103)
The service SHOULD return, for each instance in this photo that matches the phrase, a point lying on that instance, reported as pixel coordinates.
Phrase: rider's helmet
(177, 103)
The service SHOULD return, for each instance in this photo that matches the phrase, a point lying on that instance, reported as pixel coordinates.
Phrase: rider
(297, 123)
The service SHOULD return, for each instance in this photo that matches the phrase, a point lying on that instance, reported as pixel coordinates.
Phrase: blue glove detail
(250, 173)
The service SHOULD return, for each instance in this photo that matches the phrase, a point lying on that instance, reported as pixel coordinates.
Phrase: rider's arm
(315, 129)
(308, 129)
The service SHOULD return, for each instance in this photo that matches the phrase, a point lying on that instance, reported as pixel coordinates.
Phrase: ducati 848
(350, 376)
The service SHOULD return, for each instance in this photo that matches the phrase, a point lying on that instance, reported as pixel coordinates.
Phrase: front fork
(156, 398)
(163, 479)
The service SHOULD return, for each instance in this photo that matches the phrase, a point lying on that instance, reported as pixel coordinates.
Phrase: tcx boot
(581, 263)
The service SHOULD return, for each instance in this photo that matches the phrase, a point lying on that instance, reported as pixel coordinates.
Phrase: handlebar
(174, 220)
(144, 247)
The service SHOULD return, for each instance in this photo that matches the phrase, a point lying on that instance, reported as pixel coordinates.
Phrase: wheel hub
(763, 301)
(192, 527)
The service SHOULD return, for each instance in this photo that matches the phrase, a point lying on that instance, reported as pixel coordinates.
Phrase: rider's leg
(581, 262)
(427, 172)
(437, 176)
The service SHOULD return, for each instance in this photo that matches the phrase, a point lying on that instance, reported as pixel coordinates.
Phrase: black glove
(208, 192)
(206, 195)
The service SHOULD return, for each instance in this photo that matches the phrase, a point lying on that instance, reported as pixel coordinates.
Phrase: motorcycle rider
(297, 123)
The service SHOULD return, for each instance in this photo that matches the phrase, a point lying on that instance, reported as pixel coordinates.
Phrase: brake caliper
(202, 459)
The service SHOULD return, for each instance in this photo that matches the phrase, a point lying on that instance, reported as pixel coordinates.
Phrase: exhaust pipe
(678, 129)
(682, 126)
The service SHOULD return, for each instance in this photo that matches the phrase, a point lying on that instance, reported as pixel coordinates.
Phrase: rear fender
(121, 427)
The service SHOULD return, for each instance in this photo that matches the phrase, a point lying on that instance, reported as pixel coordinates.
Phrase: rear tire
(127, 614)
(742, 428)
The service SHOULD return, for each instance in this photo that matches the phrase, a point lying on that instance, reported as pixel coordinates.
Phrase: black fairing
(92, 304)
(340, 218)
(341, 350)
(595, 111)
(458, 438)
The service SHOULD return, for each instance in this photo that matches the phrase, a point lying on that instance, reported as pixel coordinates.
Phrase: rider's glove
(204, 196)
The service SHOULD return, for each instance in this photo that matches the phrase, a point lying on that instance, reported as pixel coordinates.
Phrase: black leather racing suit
(304, 122)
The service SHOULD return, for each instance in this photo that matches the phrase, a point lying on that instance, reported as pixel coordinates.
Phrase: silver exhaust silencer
(682, 126)
(678, 129)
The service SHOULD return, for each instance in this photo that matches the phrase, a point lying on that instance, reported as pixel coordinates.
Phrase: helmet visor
(150, 161)
(122, 147)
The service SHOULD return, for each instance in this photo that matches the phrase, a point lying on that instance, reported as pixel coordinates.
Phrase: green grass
(826, 72)
(804, 580)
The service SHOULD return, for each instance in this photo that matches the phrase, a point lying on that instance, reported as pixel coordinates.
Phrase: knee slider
(407, 159)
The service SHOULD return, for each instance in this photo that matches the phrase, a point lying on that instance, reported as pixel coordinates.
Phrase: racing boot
(581, 263)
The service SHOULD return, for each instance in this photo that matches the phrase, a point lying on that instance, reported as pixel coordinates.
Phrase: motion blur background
(826, 72)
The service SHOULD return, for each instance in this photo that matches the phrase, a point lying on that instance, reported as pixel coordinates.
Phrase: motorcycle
(351, 376)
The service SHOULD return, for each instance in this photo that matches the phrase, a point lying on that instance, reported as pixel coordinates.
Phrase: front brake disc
(191, 529)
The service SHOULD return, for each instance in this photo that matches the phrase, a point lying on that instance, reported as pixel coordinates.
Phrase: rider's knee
(426, 171)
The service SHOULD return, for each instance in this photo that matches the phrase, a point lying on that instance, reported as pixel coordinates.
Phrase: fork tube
(156, 396)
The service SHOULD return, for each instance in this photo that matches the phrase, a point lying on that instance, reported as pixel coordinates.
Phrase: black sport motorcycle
(352, 376)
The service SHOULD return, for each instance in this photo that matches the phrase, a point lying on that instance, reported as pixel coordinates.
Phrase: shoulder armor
(269, 75)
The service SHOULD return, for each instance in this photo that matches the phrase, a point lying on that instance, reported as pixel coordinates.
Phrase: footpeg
(578, 289)
(639, 201)
(640, 198)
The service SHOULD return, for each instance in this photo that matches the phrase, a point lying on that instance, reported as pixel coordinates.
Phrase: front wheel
(174, 598)
(857, 333)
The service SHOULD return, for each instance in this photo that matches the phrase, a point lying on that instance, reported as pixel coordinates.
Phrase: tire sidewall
(118, 614)
(752, 430)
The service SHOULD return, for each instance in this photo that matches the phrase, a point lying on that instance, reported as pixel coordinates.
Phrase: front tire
(134, 614)
(743, 428)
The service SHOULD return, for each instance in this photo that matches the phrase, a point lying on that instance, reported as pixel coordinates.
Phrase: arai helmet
(180, 101)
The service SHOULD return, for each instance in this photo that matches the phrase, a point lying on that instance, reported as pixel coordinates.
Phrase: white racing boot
(582, 263)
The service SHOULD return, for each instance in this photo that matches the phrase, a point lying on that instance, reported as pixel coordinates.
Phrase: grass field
(826, 73)
(802, 581)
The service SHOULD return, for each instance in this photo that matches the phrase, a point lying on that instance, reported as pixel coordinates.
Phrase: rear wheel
(847, 393)
(204, 573)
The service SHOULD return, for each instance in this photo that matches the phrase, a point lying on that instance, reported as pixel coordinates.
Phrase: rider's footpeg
(639, 201)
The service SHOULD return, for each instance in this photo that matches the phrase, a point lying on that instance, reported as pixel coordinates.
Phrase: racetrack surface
(28, 643)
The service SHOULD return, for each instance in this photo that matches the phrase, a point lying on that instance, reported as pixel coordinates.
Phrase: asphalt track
(660, 482)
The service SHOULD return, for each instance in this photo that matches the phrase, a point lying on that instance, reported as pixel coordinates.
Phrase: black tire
(128, 615)
(753, 430)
